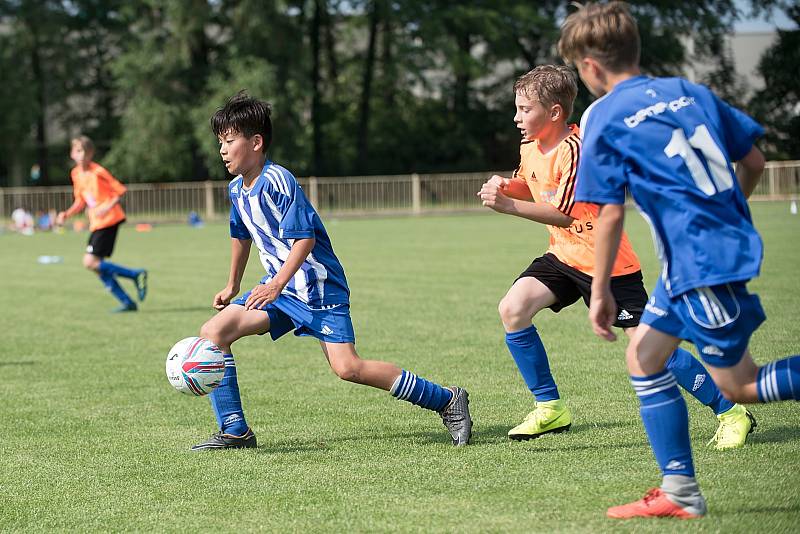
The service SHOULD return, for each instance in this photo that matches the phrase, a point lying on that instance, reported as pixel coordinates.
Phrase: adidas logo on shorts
(326, 330)
(712, 350)
(624, 315)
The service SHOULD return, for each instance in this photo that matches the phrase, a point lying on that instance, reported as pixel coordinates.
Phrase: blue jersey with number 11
(671, 143)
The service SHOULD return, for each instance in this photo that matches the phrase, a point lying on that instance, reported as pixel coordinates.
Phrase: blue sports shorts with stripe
(719, 320)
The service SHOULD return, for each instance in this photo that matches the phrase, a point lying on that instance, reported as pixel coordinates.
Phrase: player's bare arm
(240, 252)
(608, 232)
(75, 208)
(749, 170)
(266, 293)
(493, 196)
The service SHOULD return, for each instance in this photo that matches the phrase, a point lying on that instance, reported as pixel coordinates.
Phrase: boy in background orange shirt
(543, 190)
(97, 191)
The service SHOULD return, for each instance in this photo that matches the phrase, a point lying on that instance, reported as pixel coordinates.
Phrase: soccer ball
(195, 366)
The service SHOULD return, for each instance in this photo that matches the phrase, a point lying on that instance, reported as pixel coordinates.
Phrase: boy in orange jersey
(543, 190)
(97, 191)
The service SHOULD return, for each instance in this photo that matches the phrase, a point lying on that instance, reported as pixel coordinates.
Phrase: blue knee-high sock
(528, 352)
(114, 288)
(117, 270)
(227, 403)
(694, 378)
(779, 380)
(666, 422)
(409, 387)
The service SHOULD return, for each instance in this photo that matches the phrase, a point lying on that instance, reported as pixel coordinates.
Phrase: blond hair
(550, 85)
(85, 142)
(605, 32)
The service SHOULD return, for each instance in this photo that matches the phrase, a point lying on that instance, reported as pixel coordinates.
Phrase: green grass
(94, 438)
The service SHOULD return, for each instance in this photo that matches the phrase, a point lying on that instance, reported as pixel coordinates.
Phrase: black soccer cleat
(221, 440)
(456, 418)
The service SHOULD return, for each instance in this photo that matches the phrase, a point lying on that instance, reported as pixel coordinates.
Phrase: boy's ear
(258, 142)
(556, 112)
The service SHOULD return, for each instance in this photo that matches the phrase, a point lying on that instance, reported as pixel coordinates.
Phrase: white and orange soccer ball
(195, 366)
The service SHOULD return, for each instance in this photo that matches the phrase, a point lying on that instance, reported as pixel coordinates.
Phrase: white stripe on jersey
(270, 263)
(585, 116)
(281, 180)
(271, 175)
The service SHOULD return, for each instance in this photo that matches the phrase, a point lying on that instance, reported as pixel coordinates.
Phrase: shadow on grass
(323, 445)
(9, 364)
(501, 431)
(148, 311)
(765, 509)
(775, 435)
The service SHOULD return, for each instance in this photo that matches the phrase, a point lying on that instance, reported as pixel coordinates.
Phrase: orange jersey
(551, 178)
(94, 187)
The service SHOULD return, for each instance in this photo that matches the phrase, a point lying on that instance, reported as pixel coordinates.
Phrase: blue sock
(528, 352)
(779, 380)
(416, 390)
(115, 289)
(227, 403)
(117, 270)
(666, 422)
(694, 378)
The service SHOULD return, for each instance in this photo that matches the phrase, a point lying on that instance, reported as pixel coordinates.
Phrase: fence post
(313, 191)
(773, 190)
(416, 194)
(209, 188)
(2, 206)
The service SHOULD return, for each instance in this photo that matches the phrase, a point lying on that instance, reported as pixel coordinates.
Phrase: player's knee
(512, 311)
(215, 333)
(90, 263)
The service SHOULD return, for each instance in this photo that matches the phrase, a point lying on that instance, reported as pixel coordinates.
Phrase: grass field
(94, 438)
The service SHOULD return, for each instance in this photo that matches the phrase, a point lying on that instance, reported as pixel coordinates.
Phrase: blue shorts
(330, 323)
(719, 320)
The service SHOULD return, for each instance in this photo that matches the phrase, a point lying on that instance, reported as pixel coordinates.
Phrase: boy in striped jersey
(304, 290)
(549, 157)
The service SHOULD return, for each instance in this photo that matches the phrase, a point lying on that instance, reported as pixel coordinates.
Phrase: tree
(777, 106)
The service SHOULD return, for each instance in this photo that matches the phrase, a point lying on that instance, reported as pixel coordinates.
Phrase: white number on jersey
(679, 145)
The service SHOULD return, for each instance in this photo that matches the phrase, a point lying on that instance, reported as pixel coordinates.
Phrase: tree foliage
(356, 86)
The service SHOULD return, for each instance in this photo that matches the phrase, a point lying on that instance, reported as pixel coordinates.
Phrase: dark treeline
(357, 87)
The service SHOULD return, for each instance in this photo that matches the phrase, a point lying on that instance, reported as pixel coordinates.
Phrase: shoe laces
(651, 495)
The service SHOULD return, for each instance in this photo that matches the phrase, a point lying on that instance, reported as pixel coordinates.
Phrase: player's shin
(666, 422)
(695, 379)
(530, 356)
(226, 402)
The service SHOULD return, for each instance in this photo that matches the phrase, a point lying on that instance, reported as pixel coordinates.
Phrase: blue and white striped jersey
(273, 213)
(670, 143)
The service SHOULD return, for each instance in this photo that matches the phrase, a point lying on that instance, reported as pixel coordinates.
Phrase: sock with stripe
(117, 270)
(409, 387)
(226, 402)
(110, 282)
(528, 352)
(694, 378)
(666, 422)
(779, 380)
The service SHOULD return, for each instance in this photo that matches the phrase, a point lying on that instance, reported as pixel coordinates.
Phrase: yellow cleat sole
(526, 437)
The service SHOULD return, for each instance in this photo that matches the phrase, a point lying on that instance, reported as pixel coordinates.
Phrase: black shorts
(101, 242)
(569, 284)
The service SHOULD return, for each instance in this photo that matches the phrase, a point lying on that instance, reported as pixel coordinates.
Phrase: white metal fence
(357, 195)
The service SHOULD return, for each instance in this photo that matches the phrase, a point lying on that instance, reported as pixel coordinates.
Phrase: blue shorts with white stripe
(719, 320)
(330, 323)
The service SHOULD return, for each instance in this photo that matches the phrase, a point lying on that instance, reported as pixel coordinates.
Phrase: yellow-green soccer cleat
(734, 426)
(547, 417)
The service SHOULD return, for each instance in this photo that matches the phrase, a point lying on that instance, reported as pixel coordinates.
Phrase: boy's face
(78, 154)
(240, 154)
(532, 118)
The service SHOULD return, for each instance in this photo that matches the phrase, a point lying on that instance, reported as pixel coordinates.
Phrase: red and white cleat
(654, 504)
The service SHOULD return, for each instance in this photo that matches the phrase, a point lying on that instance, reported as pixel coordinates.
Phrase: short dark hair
(245, 115)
